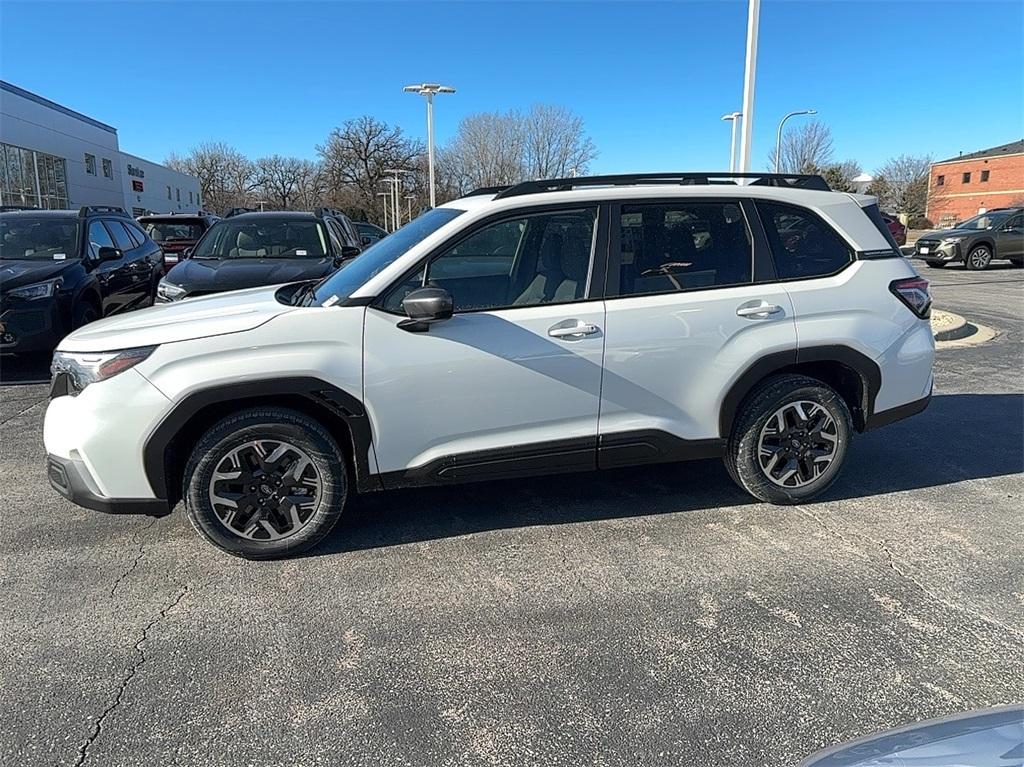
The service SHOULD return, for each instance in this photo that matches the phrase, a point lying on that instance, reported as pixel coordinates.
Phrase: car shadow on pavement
(959, 437)
(25, 369)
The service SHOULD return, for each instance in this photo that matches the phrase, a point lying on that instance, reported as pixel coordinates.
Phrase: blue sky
(650, 80)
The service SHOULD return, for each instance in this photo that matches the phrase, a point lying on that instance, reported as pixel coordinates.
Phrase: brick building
(963, 186)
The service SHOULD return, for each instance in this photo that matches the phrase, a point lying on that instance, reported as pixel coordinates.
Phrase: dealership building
(968, 184)
(53, 157)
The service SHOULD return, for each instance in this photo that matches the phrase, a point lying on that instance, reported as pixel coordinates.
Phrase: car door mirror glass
(349, 251)
(425, 306)
(106, 253)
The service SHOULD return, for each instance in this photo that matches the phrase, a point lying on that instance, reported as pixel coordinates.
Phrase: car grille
(930, 244)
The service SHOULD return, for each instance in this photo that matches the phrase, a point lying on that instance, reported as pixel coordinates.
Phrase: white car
(552, 326)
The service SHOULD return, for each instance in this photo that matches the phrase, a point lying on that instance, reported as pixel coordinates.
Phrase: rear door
(690, 304)
(135, 262)
(1010, 238)
(511, 383)
(114, 281)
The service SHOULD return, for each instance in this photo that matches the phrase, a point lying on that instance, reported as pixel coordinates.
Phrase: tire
(84, 312)
(828, 417)
(1018, 262)
(935, 264)
(979, 258)
(263, 526)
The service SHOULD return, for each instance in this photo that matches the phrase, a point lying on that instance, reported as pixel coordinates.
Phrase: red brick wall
(954, 200)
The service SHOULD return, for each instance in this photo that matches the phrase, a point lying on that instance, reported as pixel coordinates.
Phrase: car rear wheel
(936, 264)
(789, 439)
(84, 313)
(265, 483)
(979, 258)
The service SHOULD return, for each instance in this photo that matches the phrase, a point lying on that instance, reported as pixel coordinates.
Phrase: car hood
(180, 321)
(941, 234)
(16, 273)
(203, 275)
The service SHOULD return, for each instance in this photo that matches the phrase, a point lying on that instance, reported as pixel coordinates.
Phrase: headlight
(952, 240)
(36, 290)
(168, 291)
(79, 369)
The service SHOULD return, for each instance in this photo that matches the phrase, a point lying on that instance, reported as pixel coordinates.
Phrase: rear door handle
(577, 329)
(762, 309)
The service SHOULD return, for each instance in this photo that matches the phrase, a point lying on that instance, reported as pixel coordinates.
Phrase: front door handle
(760, 309)
(577, 329)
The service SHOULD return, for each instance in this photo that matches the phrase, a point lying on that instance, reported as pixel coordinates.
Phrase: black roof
(296, 215)
(1014, 147)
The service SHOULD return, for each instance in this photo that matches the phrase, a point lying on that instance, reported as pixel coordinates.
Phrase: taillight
(913, 291)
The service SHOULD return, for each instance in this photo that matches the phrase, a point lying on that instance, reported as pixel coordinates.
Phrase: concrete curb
(947, 326)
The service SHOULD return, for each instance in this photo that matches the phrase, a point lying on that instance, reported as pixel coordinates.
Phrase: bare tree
(840, 175)
(283, 180)
(226, 176)
(555, 144)
(901, 184)
(806, 149)
(355, 158)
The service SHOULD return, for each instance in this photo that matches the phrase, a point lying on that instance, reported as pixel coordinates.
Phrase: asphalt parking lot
(652, 616)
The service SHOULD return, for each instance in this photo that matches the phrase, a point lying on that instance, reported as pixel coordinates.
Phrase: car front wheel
(935, 264)
(979, 258)
(265, 483)
(789, 439)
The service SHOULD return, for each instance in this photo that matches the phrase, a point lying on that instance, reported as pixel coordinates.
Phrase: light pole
(408, 203)
(732, 117)
(398, 191)
(428, 90)
(778, 136)
(385, 195)
(392, 199)
(749, 76)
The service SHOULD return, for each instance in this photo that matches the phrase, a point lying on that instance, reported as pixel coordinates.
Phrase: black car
(369, 233)
(176, 232)
(252, 249)
(61, 269)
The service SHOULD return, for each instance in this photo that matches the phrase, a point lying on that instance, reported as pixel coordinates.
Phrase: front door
(1010, 238)
(688, 308)
(511, 383)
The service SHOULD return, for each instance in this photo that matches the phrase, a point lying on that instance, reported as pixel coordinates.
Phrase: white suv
(551, 326)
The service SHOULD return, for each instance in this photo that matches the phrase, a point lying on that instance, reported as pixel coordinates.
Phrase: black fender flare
(319, 394)
(864, 366)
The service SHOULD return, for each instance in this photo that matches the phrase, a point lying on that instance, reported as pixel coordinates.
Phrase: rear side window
(120, 235)
(802, 244)
(872, 212)
(675, 246)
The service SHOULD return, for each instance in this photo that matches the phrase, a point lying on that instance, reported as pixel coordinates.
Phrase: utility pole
(408, 203)
(778, 135)
(428, 90)
(733, 117)
(749, 78)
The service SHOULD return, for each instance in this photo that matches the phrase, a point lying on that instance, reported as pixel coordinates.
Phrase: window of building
(668, 247)
(940, 181)
(525, 261)
(178, 191)
(984, 176)
(168, 193)
(108, 168)
(90, 164)
(190, 198)
(32, 178)
(802, 244)
(966, 178)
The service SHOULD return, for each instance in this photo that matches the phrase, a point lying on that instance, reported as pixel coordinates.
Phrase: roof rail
(90, 210)
(792, 180)
(486, 190)
(238, 211)
(321, 212)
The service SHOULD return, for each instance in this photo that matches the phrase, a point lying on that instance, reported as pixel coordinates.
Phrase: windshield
(353, 274)
(45, 239)
(983, 221)
(263, 238)
(169, 231)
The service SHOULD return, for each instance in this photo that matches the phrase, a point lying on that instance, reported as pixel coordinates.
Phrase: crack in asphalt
(137, 537)
(21, 413)
(83, 750)
(893, 564)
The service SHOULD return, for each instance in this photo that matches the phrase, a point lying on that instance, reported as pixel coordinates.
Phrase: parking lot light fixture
(385, 195)
(428, 90)
(733, 117)
(408, 202)
(778, 135)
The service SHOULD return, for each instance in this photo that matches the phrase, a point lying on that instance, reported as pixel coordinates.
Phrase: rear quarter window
(802, 244)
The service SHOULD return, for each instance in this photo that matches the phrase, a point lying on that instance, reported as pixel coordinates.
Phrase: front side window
(525, 261)
(263, 238)
(676, 246)
(38, 238)
(99, 237)
(802, 244)
(982, 221)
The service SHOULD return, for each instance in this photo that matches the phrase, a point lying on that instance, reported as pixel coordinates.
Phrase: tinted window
(802, 244)
(38, 238)
(263, 238)
(526, 261)
(667, 247)
(99, 237)
(169, 231)
(136, 233)
(121, 237)
(336, 234)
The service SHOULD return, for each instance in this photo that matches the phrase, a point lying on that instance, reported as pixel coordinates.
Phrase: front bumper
(71, 478)
(31, 326)
(946, 251)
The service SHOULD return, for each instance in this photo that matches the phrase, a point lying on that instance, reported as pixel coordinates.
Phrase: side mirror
(187, 252)
(108, 254)
(425, 306)
(350, 251)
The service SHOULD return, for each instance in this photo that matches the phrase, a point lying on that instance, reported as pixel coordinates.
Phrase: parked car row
(60, 270)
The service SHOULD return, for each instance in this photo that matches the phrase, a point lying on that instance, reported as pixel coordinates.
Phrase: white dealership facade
(53, 157)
